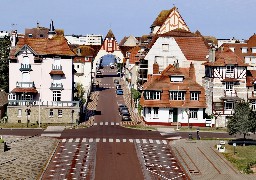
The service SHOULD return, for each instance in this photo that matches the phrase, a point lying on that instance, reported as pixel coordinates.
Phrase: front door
(175, 114)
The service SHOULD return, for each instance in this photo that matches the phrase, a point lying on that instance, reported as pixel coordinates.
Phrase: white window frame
(56, 96)
(244, 49)
(51, 113)
(156, 111)
(253, 105)
(153, 95)
(229, 105)
(110, 44)
(253, 49)
(194, 96)
(230, 69)
(193, 113)
(229, 86)
(60, 112)
(177, 95)
(165, 47)
(149, 112)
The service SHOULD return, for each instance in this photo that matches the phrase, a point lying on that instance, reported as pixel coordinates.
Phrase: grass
(243, 159)
(203, 129)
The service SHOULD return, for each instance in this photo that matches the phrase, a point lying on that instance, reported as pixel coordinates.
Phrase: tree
(4, 63)
(80, 92)
(243, 121)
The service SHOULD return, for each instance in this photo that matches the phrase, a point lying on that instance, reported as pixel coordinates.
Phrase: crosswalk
(106, 124)
(113, 140)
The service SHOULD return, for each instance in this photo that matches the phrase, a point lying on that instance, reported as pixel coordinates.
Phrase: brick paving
(201, 161)
(26, 157)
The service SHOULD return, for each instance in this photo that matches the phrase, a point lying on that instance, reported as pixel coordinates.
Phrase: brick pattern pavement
(26, 158)
(201, 161)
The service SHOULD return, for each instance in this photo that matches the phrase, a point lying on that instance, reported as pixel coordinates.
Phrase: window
(155, 112)
(165, 47)
(229, 86)
(160, 62)
(194, 96)
(59, 112)
(254, 50)
(247, 59)
(253, 105)
(110, 44)
(230, 69)
(19, 112)
(56, 96)
(177, 78)
(149, 112)
(152, 95)
(170, 113)
(51, 113)
(244, 50)
(77, 66)
(193, 113)
(177, 95)
(30, 35)
(229, 105)
(41, 35)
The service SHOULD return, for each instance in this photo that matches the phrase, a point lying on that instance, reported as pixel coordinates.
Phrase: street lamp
(72, 116)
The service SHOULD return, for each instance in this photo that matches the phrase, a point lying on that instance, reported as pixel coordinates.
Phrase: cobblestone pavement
(202, 161)
(26, 157)
(73, 159)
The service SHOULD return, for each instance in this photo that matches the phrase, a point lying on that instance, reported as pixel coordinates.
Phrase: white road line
(91, 140)
(112, 123)
(157, 141)
(110, 140)
(84, 140)
(137, 141)
(77, 139)
(144, 141)
(151, 140)
(124, 140)
(106, 123)
(104, 140)
(101, 123)
(95, 124)
(117, 124)
(97, 139)
(70, 140)
(131, 140)
(64, 140)
(117, 140)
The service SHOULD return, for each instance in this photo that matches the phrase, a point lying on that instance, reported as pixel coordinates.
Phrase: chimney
(51, 32)
(155, 68)
(14, 38)
(212, 54)
(192, 71)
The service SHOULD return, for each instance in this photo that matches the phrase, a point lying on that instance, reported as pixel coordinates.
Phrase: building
(41, 81)
(173, 97)
(89, 39)
(3, 103)
(225, 83)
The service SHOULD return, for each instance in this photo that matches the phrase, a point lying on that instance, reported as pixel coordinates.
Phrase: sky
(220, 18)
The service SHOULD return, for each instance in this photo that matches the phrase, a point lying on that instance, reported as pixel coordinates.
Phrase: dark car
(119, 92)
(124, 111)
(126, 117)
(242, 141)
(118, 86)
(99, 74)
(121, 106)
(116, 81)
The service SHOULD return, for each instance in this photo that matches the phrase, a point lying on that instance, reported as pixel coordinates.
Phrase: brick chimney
(192, 71)
(155, 68)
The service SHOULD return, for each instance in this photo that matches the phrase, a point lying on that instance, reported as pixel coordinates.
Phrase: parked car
(126, 117)
(116, 81)
(242, 141)
(118, 86)
(124, 111)
(119, 92)
(120, 106)
(99, 74)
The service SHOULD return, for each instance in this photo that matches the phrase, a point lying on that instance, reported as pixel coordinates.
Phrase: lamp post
(131, 93)
(72, 117)
(28, 110)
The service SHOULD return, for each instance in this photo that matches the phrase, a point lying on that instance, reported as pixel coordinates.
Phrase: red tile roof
(250, 78)
(162, 83)
(43, 46)
(57, 72)
(24, 90)
(133, 58)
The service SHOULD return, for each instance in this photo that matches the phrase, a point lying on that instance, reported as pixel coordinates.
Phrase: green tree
(80, 92)
(4, 63)
(243, 121)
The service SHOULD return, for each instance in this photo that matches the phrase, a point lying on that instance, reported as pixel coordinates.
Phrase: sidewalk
(201, 160)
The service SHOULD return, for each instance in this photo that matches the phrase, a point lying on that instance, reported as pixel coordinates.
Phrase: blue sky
(219, 18)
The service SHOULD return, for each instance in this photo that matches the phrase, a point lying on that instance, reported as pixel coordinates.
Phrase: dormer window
(176, 78)
(244, 49)
(152, 95)
(194, 96)
(30, 35)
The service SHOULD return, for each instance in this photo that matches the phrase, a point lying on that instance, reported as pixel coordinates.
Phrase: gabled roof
(162, 16)
(226, 57)
(43, 46)
(110, 34)
(162, 83)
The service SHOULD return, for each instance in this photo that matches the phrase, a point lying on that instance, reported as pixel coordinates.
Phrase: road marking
(112, 123)
(106, 123)
(111, 140)
(144, 141)
(104, 139)
(164, 141)
(117, 140)
(84, 140)
(64, 140)
(101, 123)
(124, 140)
(70, 140)
(77, 139)
(95, 124)
(91, 140)
(150, 140)
(137, 141)
(157, 141)
(131, 140)
(97, 139)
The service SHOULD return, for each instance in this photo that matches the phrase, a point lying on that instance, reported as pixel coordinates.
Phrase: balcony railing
(25, 67)
(43, 103)
(56, 86)
(25, 84)
(57, 67)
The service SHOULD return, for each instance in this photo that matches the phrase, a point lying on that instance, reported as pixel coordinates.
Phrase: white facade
(3, 34)
(89, 39)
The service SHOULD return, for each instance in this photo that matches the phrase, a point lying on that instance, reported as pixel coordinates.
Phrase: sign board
(234, 144)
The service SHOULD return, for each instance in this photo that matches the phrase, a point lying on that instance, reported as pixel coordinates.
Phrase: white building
(89, 39)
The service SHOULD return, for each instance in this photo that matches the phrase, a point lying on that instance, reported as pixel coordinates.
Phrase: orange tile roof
(226, 57)
(250, 78)
(24, 90)
(193, 48)
(162, 83)
(110, 34)
(57, 72)
(43, 46)
(133, 58)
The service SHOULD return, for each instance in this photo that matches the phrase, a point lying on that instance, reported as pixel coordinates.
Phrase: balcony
(25, 84)
(230, 95)
(44, 103)
(56, 70)
(56, 86)
(25, 67)
(24, 87)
